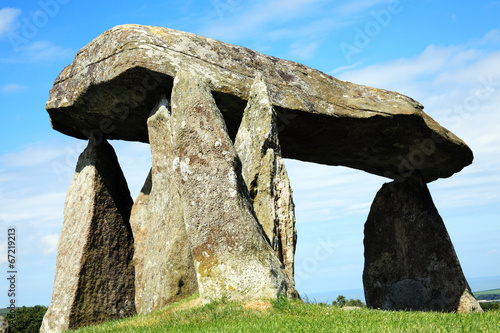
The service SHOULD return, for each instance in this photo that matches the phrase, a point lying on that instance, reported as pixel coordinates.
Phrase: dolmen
(216, 215)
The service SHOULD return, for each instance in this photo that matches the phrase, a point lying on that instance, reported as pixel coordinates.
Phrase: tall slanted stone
(94, 279)
(265, 175)
(164, 265)
(231, 255)
(410, 262)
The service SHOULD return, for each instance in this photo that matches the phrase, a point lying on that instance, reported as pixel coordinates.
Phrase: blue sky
(445, 54)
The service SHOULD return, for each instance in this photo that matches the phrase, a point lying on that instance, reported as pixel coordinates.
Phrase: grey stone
(163, 262)
(410, 262)
(94, 279)
(115, 81)
(231, 255)
(264, 172)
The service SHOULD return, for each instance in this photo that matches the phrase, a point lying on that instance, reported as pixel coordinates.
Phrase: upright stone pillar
(231, 255)
(264, 172)
(410, 262)
(163, 262)
(94, 279)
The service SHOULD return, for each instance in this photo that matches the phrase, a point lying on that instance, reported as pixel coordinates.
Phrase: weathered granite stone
(264, 172)
(115, 81)
(163, 262)
(410, 262)
(4, 325)
(94, 279)
(231, 255)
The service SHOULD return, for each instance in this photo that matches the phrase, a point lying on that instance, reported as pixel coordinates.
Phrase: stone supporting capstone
(231, 254)
(410, 262)
(94, 279)
(163, 262)
(264, 172)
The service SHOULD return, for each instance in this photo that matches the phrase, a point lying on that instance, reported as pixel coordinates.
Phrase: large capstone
(94, 279)
(410, 262)
(163, 262)
(231, 254)
(115, 81)
(264, 172)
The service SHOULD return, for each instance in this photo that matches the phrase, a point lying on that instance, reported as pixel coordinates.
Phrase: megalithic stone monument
(216, 212)
(410, 262)
(94, 273)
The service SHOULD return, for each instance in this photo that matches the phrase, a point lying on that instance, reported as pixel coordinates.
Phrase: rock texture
(231, 255)
(163, 262)
(264, 172)
(410, 262)
(4, 325)
(115, 81)
(94, 279)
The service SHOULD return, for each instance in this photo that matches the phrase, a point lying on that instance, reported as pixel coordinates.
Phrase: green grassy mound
(289, 316)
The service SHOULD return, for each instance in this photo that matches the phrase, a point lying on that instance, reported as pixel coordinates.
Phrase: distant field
(486, 292)
(3, 312)
(488, 295)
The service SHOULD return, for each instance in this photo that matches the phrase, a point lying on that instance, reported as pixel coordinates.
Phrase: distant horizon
(358, 293)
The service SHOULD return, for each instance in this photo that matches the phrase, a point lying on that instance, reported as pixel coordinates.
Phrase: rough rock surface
(264, 172)
(410, 262)
(4, 325)
(94, 279)
(231, 255)
(115, 81)
(163, 262)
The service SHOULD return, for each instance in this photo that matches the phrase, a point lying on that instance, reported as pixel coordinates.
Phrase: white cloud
(8, 17)
(37, 52)
(33, 192)
(355, 7)
(256, 17)
(304, 49)
(49, 244)
(460, 87)
(33, 156)
(13, 88)
(282, 22)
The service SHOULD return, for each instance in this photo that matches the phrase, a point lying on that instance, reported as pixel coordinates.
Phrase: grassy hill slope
(489, 295)
(286, 316)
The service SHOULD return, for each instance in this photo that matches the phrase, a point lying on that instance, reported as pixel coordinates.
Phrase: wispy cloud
(8, 20)
(13, 88)
(32, 191)
(256, 17)
(49, 244)
(460, 87)
(355, 7)
(38, 52)
(304, 49)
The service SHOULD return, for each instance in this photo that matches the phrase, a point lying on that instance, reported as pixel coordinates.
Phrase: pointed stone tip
(162, 106)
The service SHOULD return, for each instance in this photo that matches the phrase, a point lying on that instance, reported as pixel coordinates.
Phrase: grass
(487, 292)
(289, 316)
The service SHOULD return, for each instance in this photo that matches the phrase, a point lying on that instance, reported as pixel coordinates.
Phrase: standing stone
(410, 262)
(264, 172)
(94, 279)
(231, 255)
(164, 265)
